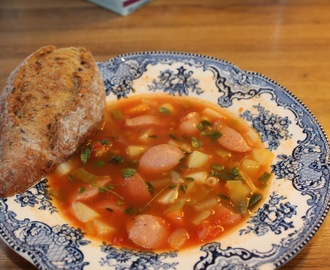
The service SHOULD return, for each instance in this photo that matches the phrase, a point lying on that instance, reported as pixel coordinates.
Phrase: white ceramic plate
(297, 203)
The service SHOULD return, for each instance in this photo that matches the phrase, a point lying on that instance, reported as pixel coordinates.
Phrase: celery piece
(83, 175)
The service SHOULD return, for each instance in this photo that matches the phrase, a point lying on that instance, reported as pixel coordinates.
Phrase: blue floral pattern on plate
(298, 198)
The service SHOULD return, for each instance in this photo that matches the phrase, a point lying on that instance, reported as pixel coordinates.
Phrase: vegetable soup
(163, 173)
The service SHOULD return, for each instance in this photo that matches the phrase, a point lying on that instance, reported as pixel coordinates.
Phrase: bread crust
(52, 102)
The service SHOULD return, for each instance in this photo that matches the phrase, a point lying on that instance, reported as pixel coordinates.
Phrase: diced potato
(102, 228)
(134, 151)
(169, 195)
(176, 177)
(238, 190)
(206, 204)
(83, 212)
(199, 177)
(201, 216)
(197, 159)
(263, 156)
(146, 135)
(238, 194)
(178, 238)
(176, 206)
(250, 166)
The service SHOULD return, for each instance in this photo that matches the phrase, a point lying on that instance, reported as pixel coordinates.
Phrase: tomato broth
(163, 173)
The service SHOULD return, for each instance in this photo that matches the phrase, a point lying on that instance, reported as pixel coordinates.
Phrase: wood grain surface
(286, 40)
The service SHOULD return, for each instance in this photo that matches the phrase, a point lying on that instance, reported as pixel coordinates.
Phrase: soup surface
(163, 173)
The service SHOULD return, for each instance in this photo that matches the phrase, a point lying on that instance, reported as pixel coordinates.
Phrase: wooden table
(287, 40)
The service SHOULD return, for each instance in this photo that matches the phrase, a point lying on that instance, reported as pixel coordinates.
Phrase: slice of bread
(52, 102)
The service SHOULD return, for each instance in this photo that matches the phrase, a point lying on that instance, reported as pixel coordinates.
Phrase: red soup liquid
(163, 173)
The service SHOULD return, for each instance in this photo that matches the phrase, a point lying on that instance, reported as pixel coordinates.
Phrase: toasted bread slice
(52, 102)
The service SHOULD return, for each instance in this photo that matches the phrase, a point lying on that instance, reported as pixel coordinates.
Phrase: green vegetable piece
(264, 178)
(151, 188)
(85, 155)
(217, 167)
(254, 200)
(105, 142)
(183, 188)
(71, 179)
(196, 143)
(173, 136)
(81, 189)
(189, 179)
(204, 123)
(164, 110)
(116, 159)
(127, 172)
(223, 196)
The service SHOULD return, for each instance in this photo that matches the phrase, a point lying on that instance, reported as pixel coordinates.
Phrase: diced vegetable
(250, 166)
(146, 136)
(169, 195)
(83, 212)
(178, 238)
(202, 215)
(102, 228)
(83, 175)
(176, 205)
(263, 156)
(238, 190)
(197, 159)
(134, 151)
(166, 108)
(176, 177)
(238, 193)
(206, 204)
(225, 154)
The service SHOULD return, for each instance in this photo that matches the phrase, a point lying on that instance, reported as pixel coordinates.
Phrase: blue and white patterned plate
(297, 203)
